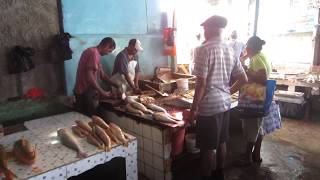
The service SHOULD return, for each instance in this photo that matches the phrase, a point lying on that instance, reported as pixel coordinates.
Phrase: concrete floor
(290, 153)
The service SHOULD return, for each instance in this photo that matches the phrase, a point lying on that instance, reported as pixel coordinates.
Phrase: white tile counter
(56, 161)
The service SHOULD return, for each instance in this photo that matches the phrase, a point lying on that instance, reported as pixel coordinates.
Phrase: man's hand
(107, 95)
(137, 91)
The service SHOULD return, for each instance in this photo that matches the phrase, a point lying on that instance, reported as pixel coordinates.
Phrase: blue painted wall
(122, 20)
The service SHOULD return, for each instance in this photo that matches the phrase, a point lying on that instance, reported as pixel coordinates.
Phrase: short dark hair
(132, 42)
(255, 43)
(215, 22)
(109, 42)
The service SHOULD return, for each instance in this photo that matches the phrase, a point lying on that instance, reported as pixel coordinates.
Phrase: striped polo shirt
(216, 62)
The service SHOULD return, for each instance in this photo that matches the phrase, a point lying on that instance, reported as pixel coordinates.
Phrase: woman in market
(255, 128)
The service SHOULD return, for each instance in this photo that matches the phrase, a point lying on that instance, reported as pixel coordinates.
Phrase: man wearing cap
(87, 90)
(215, 64)
(126, 67)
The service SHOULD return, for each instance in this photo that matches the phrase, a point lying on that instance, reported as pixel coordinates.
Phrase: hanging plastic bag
(20, 59)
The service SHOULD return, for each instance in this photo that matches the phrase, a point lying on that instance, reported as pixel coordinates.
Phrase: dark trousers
(87, 103)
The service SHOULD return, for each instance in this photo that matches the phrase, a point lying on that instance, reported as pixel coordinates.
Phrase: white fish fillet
(70, 141)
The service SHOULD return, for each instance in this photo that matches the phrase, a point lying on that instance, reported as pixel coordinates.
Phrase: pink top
(90, 60)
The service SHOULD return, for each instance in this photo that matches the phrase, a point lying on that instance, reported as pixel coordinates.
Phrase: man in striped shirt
(215, 64)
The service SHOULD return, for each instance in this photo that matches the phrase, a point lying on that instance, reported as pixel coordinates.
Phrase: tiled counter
(154, 145)
(55, 161)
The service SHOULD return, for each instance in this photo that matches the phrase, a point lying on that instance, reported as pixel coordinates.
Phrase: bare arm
(136, 79)
(93, 82)
(106, 78)
(240, 81)
(199, 92)
(126, 75)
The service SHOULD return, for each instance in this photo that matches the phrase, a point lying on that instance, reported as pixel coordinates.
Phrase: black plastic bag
(19, 59)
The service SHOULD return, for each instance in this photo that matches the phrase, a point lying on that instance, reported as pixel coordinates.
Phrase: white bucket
(190, 140)
(183, 84)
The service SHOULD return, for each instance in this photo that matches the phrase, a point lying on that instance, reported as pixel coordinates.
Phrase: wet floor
(291, 153)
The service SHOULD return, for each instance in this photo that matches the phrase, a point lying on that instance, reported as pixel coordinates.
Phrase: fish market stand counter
(156, 141)
(56, 161)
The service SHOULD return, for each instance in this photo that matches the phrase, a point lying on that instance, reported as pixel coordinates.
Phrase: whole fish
(156, 108)
(92, 140)
(160, 116)
(112, 136)
(83, 125)
(103, 136)
(77, 131)
(24, 152)
(116, 130)
(4, 165)
(133, 110)
(70, 141)
(100, 122)
(140, 107)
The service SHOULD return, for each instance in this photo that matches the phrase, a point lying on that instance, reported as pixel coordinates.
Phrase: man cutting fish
(126, 68)
(87, 89)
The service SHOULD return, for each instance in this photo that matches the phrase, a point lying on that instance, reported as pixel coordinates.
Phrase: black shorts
(212, 130)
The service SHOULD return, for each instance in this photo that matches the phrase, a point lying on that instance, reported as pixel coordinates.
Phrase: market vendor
(126, 68)
(87, 89)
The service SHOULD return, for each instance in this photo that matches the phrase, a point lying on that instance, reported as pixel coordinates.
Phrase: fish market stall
(52, 159)
(159, 141)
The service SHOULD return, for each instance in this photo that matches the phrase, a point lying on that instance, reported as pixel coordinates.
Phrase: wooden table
(54, 160)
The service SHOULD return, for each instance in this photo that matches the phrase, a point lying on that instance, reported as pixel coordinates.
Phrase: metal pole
(316, 57)
(256, 18)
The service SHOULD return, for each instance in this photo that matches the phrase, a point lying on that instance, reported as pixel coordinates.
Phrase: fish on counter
(24, 152)
(9, 175)
(78, 131)
(146, 99)
(70, 141)
(164, 117)
(133, 110)
(96, 142)
(112, 136)
(141, 107)
(155, 108)
(84, 125)
(103, 136)
(100, 122)
(116, 130)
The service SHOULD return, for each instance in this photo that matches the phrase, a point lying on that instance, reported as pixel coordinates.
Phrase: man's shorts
(212, 130)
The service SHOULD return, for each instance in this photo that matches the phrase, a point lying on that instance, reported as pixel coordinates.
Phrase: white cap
(138, 45)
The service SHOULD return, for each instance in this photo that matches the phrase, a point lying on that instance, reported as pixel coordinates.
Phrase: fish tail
(82, 154)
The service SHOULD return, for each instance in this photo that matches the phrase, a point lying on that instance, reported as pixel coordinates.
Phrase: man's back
(216, 62)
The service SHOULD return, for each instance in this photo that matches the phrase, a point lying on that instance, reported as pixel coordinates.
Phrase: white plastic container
(190, 140)
(183, 84)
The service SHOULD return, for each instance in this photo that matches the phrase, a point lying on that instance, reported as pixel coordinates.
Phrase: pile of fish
(97, 132)
(146, 107)
(22, 151)
(4, 165)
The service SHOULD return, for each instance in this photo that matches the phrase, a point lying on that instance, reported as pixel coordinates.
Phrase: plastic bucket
(190, 141)
(182, 84)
